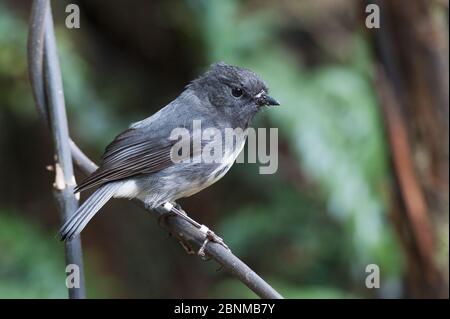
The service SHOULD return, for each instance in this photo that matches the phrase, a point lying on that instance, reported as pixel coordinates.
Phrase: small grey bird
(139, 162)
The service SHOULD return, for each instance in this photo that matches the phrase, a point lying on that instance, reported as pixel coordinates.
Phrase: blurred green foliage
(31, 264)
(15, 93)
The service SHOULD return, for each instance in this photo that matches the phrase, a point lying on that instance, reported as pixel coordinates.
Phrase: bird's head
(234, 92)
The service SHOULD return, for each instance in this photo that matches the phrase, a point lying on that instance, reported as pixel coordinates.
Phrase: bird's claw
(171, 209)
(210, 236)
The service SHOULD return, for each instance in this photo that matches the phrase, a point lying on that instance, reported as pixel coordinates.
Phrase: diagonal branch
(184, 231)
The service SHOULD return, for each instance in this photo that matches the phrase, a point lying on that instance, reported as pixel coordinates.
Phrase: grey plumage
(138, 162)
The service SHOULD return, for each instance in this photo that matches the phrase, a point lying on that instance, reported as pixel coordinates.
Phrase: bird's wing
(132, 153)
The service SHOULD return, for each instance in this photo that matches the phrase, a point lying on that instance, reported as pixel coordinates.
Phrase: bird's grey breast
(188, 178)
(212, 172)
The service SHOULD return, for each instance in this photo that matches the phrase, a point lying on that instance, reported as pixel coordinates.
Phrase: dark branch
(179, 227)
(45, 77)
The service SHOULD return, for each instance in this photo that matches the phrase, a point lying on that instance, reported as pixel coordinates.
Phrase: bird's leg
(179, 208)
(175, 209)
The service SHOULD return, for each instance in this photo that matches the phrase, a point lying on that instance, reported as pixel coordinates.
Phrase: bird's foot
(173, 209)
(210, 236)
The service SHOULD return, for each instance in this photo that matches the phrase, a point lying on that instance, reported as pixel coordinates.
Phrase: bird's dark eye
(237, 92)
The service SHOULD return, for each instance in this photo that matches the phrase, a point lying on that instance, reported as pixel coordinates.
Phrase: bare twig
(184, 231)
(46, 81)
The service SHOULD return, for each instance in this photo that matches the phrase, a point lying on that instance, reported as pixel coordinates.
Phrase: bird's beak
(265, 100)
(270, 101)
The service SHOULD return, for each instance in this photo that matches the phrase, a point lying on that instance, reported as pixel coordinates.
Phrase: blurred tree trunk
(412, 82)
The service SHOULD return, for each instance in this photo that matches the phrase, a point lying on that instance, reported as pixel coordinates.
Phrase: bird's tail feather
(76, 223)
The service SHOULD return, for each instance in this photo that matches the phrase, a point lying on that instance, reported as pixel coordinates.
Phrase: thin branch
(184, 231)
(45, 76)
